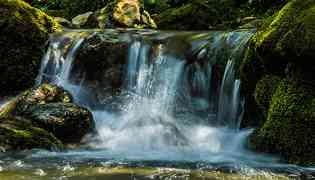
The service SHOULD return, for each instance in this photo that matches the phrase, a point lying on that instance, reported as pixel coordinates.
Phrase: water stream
(178, 107)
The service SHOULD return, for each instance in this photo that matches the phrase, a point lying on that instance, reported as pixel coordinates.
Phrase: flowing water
(176, 114)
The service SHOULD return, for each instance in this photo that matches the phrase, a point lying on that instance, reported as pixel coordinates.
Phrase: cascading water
(179, 100)
(177, 104)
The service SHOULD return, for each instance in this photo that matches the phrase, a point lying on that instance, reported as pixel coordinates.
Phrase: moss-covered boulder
(50, 107)
(289, 129)
(290, 35)
(23, 33)
(277, 75)
(20, 134)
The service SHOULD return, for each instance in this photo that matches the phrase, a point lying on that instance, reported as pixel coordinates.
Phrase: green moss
(290, 34)
(289, 129)
(18, 134)
(24, 31)
(265, 88)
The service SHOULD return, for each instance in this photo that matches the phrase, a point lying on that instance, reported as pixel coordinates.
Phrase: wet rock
(97, 59)
(50, 107)
(67, 121)
(23, 33)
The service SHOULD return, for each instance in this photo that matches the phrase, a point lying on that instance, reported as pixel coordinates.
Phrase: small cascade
(180, 92)
(57, 62)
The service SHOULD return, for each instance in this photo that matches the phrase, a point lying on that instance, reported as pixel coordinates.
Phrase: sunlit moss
(289, 129)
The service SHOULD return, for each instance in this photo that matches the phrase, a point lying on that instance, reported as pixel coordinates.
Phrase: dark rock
(67, 121)
(50, 107)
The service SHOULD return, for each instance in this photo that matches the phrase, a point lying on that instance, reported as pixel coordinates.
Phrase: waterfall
(180, 92)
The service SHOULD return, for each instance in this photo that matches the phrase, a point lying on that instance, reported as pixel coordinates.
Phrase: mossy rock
(288, 36)
(289, 129)
(23, 33)
(67, 121)
(282, 47)
(19, 134)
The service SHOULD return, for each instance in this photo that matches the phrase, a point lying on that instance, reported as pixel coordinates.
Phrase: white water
(171, 110)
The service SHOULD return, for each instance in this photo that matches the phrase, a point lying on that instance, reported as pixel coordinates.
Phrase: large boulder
(23, 33)
(50, 107)
(277, 75)
(20, 134)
